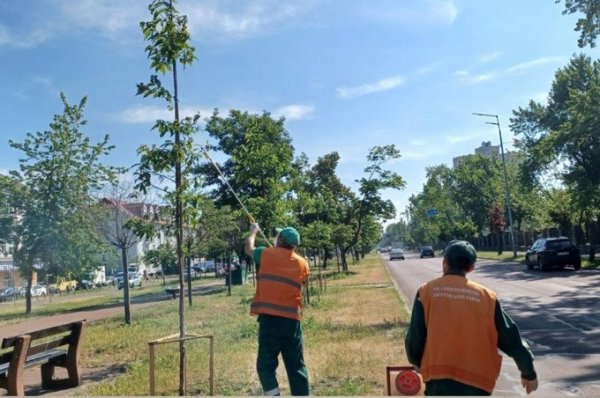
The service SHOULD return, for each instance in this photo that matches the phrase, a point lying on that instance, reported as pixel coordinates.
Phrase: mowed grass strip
(351, 333)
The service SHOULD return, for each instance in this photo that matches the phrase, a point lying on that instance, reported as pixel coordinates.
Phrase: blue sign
(431, 213)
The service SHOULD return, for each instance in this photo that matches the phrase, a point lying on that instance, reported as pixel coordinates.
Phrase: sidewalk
(32, 375)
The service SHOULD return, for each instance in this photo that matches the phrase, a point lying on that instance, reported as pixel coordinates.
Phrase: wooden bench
(51, 347)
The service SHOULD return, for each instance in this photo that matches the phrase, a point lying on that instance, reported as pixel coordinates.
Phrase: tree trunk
(126, 302)
(500, 242)
(28, 297)
(189, 278)
(343, 258)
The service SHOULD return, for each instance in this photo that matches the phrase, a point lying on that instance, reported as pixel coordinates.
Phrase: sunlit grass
(506, 255)
(351, 332)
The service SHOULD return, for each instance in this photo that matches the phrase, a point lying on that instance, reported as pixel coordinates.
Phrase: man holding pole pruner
(278, 305)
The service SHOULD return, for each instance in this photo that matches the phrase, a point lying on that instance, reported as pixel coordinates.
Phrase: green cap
(460, 252)
(289, 235)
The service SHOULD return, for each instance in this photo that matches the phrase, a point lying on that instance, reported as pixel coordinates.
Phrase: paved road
(558, 313)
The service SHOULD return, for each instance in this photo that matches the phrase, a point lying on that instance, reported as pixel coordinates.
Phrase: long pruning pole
(224, 179)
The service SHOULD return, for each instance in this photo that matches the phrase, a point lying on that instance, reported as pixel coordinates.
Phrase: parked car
(206, 266)
(38, 290)
(85, 285)
(427, 251)
(118, 277)
(22, 291)
(549, 253)
(396, 254)
(9, 293)
(194, 274)
(135, 279)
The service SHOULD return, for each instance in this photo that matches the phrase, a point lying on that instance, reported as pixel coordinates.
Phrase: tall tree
(59, 170)
(169, 46)
(370, 202)
(563, 137)
(589, 24)
(258, 166)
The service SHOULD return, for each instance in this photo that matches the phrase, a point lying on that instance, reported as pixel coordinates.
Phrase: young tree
(121, 229)
(169, 45)
(59, 171)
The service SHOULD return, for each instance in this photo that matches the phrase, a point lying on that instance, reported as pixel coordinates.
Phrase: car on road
(135, 279)
(427, 251)
(9, 293)
(38, 290)
(396, 254)
(547, 253)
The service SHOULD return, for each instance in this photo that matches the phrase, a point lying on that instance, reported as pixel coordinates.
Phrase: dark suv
(427, 251)
(549, 253)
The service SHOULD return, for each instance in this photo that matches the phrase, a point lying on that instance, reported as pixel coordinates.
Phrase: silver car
(135, 279)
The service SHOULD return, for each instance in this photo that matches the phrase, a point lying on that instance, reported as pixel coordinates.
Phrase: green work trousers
(281, 335)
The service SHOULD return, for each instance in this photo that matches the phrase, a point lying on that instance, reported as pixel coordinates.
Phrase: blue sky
(347, 75)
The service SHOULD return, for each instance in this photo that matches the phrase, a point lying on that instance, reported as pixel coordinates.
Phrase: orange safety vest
(462, 340)
(279, 283)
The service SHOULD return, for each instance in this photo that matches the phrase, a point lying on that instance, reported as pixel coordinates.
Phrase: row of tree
(54, 219)
(553, 176)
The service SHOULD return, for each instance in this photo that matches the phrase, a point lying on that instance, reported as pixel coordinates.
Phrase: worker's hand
(254, 228)
(529, 385)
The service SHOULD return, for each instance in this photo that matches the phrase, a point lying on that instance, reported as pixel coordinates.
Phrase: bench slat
(33, 350)
(39, 334)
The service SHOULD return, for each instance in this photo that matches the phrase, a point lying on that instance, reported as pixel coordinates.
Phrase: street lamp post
(506, 188)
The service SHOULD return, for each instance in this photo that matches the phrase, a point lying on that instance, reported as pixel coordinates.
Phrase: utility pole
(506, 188)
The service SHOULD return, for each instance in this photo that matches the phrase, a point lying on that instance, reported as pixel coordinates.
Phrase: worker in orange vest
(456, 329)
(278, 305)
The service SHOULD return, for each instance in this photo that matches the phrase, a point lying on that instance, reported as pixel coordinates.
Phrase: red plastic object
(408, 382)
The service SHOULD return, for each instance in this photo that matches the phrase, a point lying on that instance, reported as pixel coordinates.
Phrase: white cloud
(465, 77)
(389, 83)
(533, 63)
(444, 11)
(409, 12)
(149, 114)
(110, 17)
(294, 111)
(47, 84)
(428, 68)
(486, 58)
(256, 17)
(459, 138)
(414, 142)
(541, 97)
(24, 39)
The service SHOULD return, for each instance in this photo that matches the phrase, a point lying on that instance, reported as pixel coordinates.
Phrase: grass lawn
(506, 255)
(14, 310)
(351, 333)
